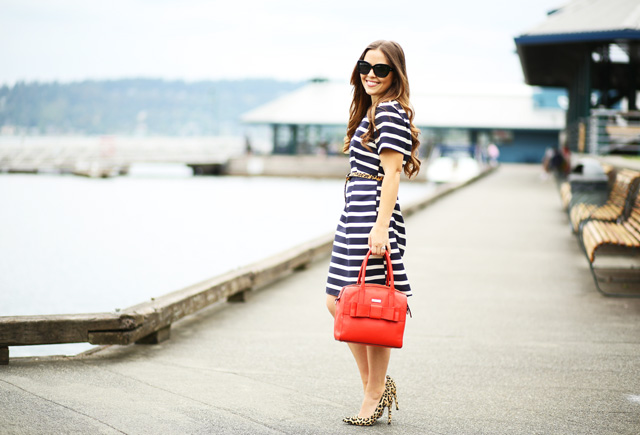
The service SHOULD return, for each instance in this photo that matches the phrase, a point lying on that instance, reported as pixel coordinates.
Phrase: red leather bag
(371, 314)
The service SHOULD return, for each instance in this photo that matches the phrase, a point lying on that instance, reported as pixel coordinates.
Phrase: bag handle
(389, 281)
(363, 269)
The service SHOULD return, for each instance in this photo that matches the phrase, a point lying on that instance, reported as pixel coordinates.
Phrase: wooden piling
(4, 355)
(156, 337)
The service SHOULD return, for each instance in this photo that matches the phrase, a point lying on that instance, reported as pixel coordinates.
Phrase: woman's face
(373, 85)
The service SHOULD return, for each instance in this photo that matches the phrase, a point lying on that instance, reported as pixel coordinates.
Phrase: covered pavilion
(591, 48)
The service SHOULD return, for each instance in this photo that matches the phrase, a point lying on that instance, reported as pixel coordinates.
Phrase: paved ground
(509, 336)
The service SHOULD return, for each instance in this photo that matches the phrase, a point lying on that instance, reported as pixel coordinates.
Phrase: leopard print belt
(351, 175)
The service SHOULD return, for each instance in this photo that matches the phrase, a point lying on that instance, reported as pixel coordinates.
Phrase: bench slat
(623, 235)
(633, 231)
(613, 209)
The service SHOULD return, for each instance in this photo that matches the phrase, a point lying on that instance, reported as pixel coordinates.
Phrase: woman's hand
(379, 239)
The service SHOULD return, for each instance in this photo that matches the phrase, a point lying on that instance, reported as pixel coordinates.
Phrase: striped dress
(350, 244)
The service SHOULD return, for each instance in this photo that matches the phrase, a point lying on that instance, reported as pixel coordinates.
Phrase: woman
(382, 142)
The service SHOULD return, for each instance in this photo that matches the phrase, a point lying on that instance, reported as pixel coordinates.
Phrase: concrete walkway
(508, 336)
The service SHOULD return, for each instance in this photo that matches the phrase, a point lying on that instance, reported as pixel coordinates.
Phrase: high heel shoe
(392, 395)
(370, 421)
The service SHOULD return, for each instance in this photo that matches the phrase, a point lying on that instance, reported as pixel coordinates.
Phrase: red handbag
(371, 314)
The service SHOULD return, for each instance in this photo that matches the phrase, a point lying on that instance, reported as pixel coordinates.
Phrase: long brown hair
(361, 104)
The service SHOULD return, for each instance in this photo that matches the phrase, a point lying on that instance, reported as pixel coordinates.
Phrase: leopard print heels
(369, 421)
(386, 401)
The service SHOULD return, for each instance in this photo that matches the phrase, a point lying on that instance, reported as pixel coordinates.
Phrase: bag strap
(363, 272)
(363, 269)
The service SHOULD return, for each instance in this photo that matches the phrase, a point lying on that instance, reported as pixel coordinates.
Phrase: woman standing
(382, 142)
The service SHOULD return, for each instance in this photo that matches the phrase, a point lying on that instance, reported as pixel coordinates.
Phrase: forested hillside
(134, 106)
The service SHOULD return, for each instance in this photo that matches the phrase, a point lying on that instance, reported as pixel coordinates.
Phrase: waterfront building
(522, 120)
(592, 49)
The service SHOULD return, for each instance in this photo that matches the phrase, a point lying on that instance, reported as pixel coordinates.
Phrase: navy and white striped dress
(350, 245)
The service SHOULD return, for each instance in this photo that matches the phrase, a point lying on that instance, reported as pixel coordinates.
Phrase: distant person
(323, 148)
(558, 162)
(494, 154)
(566, 155)
(546, 163)
(382, 142)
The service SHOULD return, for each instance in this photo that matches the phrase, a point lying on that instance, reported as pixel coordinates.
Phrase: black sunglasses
(380, 70)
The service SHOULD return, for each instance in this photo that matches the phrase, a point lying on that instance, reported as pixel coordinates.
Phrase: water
(78, 245)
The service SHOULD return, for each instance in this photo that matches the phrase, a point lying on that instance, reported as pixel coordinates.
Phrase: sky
(444, 41)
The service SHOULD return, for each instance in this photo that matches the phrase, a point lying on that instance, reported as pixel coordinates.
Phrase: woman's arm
(391, 162)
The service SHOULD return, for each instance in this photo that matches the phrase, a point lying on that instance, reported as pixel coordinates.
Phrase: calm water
(75, 245)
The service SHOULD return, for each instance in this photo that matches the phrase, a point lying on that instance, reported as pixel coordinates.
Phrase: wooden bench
(610, 171)
(570, 198)
(622, 237)
(613, 209)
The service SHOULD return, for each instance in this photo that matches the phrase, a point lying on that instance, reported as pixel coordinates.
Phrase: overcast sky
(68, 40)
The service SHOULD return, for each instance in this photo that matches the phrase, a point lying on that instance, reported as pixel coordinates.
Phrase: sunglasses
(380, 70)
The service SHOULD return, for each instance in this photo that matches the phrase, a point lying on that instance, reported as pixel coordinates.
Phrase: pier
(108, 156)
(508, 335)
(111, 156)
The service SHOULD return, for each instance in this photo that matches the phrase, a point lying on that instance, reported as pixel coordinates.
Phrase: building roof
(482, 107)
(317, 103)
(551, 52)
(587, 20)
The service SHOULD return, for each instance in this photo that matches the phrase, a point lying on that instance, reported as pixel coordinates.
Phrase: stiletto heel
(389, 411)
(391, 393)
(370, 421)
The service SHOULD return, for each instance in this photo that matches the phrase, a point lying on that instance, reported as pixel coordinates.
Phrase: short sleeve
(393, 132)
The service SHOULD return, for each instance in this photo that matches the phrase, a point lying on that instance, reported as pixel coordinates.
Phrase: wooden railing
(150, 322)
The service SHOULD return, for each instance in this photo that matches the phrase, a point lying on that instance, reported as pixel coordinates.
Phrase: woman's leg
(359, 351)
(372, 364)
(378, 359)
